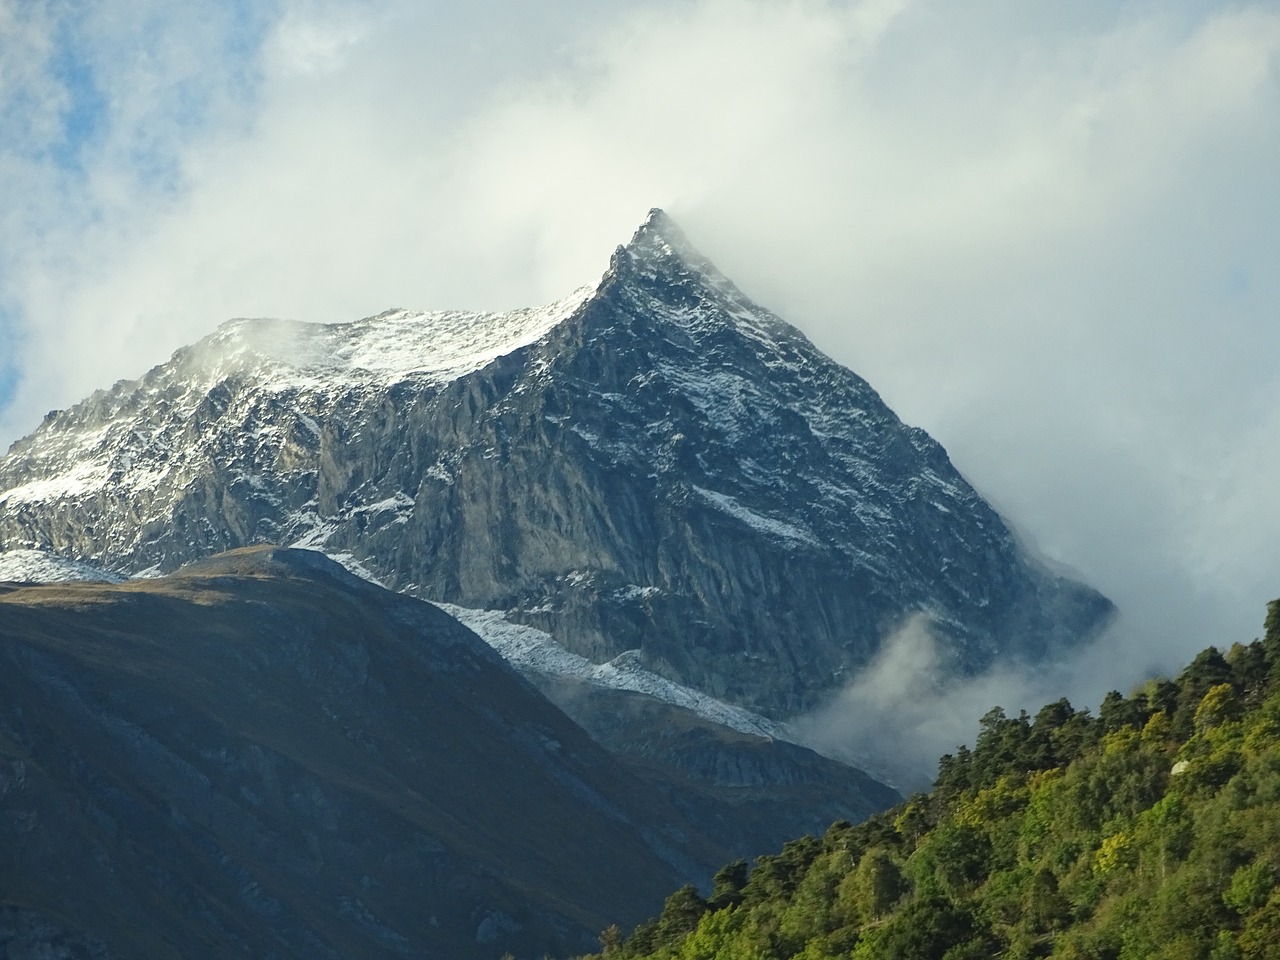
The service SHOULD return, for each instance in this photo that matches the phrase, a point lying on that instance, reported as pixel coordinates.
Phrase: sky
(1048, 234)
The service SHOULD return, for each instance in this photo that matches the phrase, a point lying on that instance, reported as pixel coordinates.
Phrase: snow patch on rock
(40, 566)
(531, 650)
(757, 521)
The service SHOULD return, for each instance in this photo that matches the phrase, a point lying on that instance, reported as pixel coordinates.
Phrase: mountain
(724, 769)
(653, 468)
(749, 792)
(1148, 832)
(39, 566)
(263, 755)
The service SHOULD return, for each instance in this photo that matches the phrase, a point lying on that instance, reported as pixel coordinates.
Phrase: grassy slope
(263, 757)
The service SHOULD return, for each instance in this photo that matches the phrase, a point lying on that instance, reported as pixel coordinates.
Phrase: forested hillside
(1150, 830)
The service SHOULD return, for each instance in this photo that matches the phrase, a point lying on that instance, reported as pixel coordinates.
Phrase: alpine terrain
(653, 484)
(265, 756)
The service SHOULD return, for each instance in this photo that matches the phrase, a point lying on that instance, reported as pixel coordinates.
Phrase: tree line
(1149, 830)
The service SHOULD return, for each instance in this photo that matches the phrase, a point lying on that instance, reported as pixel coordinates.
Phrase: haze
(1046, 236)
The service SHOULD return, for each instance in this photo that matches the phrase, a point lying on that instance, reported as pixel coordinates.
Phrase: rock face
(265, 756)
(655, 464)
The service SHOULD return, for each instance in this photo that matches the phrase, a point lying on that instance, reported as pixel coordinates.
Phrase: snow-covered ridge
(438, 346)
(307, 363)
(531, 650)
(39, 566)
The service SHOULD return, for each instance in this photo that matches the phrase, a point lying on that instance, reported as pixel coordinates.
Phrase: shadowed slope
(263, 755)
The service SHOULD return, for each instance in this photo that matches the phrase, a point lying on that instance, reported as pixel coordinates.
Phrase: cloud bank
(1046, 236)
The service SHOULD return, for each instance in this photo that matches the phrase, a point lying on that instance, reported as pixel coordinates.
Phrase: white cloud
(908, 707)
(313, 45)
(1046, 236)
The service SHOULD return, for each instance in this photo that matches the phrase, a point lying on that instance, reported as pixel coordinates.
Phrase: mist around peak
(910, 705)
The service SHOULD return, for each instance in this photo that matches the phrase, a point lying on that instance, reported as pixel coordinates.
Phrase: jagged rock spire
(660, 249)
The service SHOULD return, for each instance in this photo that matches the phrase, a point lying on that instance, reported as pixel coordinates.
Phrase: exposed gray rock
(656, 464)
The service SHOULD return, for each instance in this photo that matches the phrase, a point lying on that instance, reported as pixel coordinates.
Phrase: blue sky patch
(86, 113)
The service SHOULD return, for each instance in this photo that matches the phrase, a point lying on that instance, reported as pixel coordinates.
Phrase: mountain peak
(659, 239)
(658, 227)
(660, 251)
(655, 463)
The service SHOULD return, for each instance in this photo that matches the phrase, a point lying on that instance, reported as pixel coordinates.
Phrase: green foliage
(728, 884)
(867, 892)
(680, 916)
(610, 940)
(1218, 706)
(1150, 831)
(1271, 630)
(1250, 887)
(927, 928)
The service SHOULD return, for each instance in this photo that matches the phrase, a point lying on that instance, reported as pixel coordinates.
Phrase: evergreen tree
(1154, 834)
(727, 885)
(680, 915)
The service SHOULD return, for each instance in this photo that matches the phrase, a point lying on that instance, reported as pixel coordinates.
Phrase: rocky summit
(654, 469)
